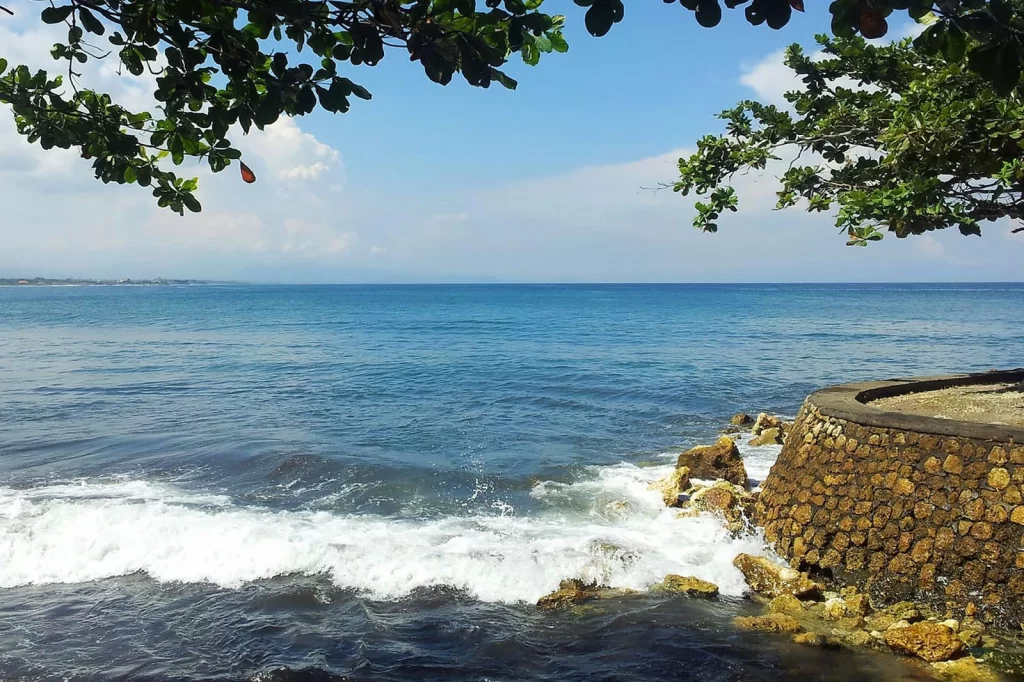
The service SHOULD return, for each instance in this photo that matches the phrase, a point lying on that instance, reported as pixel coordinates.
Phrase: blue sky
(431, 183)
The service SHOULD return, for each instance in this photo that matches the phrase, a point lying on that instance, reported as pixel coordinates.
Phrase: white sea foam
(607, 526)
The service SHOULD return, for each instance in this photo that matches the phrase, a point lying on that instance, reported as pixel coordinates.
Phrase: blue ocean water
(376, 482)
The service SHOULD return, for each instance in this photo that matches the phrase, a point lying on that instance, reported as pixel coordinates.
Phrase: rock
(855, 638)
(835, 608)
(772, 436)
(770, 579)
(730, 430)
(672, 486)
(773, 622)
(693, 587)
(741, 419)
(857, 605)
(814, 639)
(964, 670)
(786, 603)
(721, 460)
(764, 421)
(970, 638)
(926, 640)
(723, 498)
(569, 593)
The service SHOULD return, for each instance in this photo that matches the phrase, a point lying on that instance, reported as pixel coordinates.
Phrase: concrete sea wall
(903, 506)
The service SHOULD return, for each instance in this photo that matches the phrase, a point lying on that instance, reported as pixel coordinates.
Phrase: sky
(424, 183)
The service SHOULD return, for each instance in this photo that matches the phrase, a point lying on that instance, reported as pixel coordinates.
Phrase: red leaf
(872, 24)
(247, 174)
(798, 5)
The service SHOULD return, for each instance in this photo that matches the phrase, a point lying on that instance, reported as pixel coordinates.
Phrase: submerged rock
(815, 639)
(721, 460)
(569, 593)
(672, 486)
(772, 436)
(693, 587)
(741, 419)
(926, 640)
(786, 603)
(964, 670)
(773, 622)
(770, 579)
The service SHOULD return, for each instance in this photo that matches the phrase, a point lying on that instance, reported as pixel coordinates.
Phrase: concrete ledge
(852, 403)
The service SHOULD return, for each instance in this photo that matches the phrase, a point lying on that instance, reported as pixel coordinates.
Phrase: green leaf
(129, 175)
(55, 15)
(89, 22)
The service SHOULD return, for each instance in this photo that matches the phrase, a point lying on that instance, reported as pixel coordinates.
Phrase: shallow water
(249, 482)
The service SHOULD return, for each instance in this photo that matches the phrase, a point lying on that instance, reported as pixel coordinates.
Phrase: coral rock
(693, 587)
(672, 486)
(721, 460)
(770, 579)
(764, 422)
(741, 419)
(964, 670)
(786, 603)
(773, 622)
(569, 593)
(772, 436)
(814, 639)
(930, 641)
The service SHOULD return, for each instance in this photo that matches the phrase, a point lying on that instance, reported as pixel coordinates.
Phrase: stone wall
(903, 506)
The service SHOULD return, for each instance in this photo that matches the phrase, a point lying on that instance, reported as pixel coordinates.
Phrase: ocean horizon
(378, 481)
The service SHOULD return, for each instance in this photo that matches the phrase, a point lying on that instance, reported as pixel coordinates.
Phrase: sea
(277, 483)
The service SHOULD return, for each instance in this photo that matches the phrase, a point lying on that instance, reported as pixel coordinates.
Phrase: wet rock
(723, 498)
(721, 460)
(815, 639)
(692, 587)
(835, 608)
(964, 670)
(741, 419)
(926, 640)
(770, 579)
(786, 603)
(765, 421)
(773, 622)
(772, 436)
(855, 638)
(672, 486)
(569, 593)
(730, 430)
(970, 638)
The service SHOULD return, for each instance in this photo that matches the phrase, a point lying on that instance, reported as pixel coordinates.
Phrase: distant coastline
(51, 282)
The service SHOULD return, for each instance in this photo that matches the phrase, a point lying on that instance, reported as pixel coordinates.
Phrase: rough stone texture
(964, 670)
(772, 436)
(721, 460)
(765, 421)
(673, 485)
(902, 513)
(786, 603)
(929, 641)
(693, 587)
(773, 622)
(768, 578)
(569, 593)
(741, 419)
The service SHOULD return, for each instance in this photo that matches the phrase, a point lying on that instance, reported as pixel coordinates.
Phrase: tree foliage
(223, 65)
(901, 140)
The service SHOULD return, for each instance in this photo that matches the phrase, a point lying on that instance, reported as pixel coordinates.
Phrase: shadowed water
(248, 482)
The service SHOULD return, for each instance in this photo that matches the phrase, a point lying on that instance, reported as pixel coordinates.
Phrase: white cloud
(301, 222)
(771, 79)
